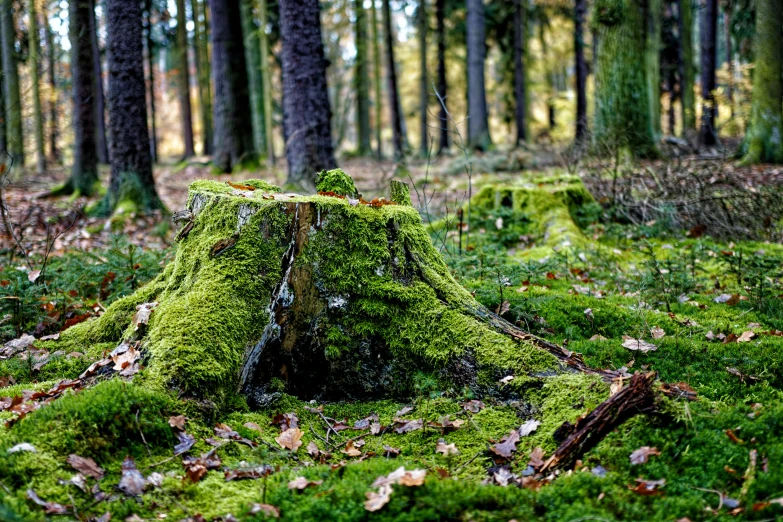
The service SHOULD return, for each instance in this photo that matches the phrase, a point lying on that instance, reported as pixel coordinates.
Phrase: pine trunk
(266, 82)
(622, 112)
(232, 126)
(132, 186)
(3, 138)
(376, 70)
(306, 112)
(763, 141)
(13, 106)
(652, 62)
(443, 114)
(398, 132)
(709, 26)
(685, 66)
(84, 173)
(33, 65)
(202, 71)
(580, 12)
(51, 51)
(362, 81)
(183, 80)
(729, 55)
(423, 96)
(255, 86)
(478, 127)
(101, 141)
(150, 45)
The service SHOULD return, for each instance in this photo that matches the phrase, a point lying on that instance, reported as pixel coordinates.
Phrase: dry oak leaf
(657, 332)
(143, 313)
(506, 446)
(50, 508)
(177, 422)
(132, 481)
(648, 487)
(290, 439)
(641, 455)
(351, 450)
(407, 426)
(186, 441)
(638, 345)
(403, 477)
(85, 466)
(528, 427)
(746, 336)
(404, 411)
(267, 509)
(301, 483)
(312, 449)
(536, 458)
(376, 501)
(446, 449)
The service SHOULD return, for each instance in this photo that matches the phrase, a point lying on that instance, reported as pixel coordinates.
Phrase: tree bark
(709, 25)
(54, 153)
(33, 65)
(202, 72)
(729, 55)
(398, 132)
(685, 66)
(132, 186)
(232, 126)
(150, 45)
(652, 61)
(376, 71)
(478, 127)
(253, 62)
(13, 107)
(101, 141)
(763, 142)
(424, 131)
(362, 81)
(443, 115)
(183, 80)
(580, 10)
(266, 81)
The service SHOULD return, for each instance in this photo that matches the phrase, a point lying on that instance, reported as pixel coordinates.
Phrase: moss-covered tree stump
(320, 296)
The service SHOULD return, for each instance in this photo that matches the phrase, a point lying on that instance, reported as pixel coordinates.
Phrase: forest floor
(636, 289)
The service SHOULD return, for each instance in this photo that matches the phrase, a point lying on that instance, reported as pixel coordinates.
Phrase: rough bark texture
(33, 60)
(478, 127)
(54, 153)
(652, 61)
(398, 132)
(622, 112)
(256, 87)
(520, 97)
(266, 81)
(233, 129)
(764, 139)
(709, 27)
(424, 131)
(376, 72)
(132, 187)
(362, 81)
(727, 14)
(13, 107)
(150, 45)
(183, 80)
(306, 111)
(3, 141)
(201, 51)
(580, 11)
(685, 65)
(443, 116)
(84, 173)
(99, 102)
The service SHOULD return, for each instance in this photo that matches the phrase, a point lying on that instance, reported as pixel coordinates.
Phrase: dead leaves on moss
(290, 439)
(377, 499)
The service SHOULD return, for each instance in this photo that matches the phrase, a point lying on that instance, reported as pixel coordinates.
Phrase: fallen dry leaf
(657, 332)
(300, 483)
(266, 509)
(252, 473)
(446, 449)
(286, 421)
(50, 508)
(290, 439)
(528, 427)
(407, 426)
(351, 450)
(376, 501)
(85, 466)
(186, 441)
(638, 345)
(648, 487)
(506, 446)
(197, 467)
(142, 315)
(536, 458)
(746, 336)
(177, 422)
(733, 437)
(404, 411)
(641, 455)
(132, 481)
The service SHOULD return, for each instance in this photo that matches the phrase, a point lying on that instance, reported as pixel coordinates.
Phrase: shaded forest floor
(628, 281)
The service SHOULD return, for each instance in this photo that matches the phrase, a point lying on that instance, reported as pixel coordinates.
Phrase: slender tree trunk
(3, 138)
(520, 116)
(652, 60)
(306, 112)
(231, 110)
(13, 107)
(132, 186)
(376, 56)
(54, 154)
(183, 80)
(423, 96)
(622, 114)
(763, 141)
(266, 82)
(670, 88)
(398, 132)
(729, 53)
(709, 25)
(201, 44)
(685, 66)
(33, 59)
(150, 44)
(84, 174)
(550, 81)
(362, 81)
(101, 141)
(478, 127)
(253, 63)
(580, 11)
(443, 116)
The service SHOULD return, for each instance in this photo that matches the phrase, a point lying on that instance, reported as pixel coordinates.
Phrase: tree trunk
(652, 62)
(580, 10)
(376, 71)
(84, 173)
(478, 127)
(183, 80)
(266, 82)
(253, 61)
(101, 141)
(550, 80)
(306, 112)
(685, 66)
(132, 187)
(54, 153)
(398, 132)
(233, 128)
(362, 81)
(3, 139)
(443, 115)
(622, 113)
(763, 139)
(150, 44)
(709, 26)
(13, 106)
(729, 55)
(202, 71)
(424, 130)
(33, 65)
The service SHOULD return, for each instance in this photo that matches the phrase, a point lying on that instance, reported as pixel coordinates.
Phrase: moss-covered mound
(317, 296)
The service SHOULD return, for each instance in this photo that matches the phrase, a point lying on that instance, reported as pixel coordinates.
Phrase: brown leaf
(648, 487)
(266, 509)
(657, 332)
(638, 345)
(142, 315)
(390, 452)
(186, 441)
(404, 411)
(376, 501)
(290, 439)
(85, 466)
(132, 481)
(733, 437)
(365, 423)
(473, 406)
(240, 186)
(50, 508)
(253, 426)
(301, 483)
(286, 421)
(446, 449)
(536, 458)
(177, 422)
(641, 455)
(351, 450)
(252, 473)
(196, 467)
(506, 446)
(407, 426)
(746, 336)
(528, 427)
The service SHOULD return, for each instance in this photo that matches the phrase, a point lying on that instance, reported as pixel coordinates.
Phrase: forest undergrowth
(541, 253)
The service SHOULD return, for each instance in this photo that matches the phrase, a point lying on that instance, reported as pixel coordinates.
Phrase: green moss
(337, 181)
(261, 184)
